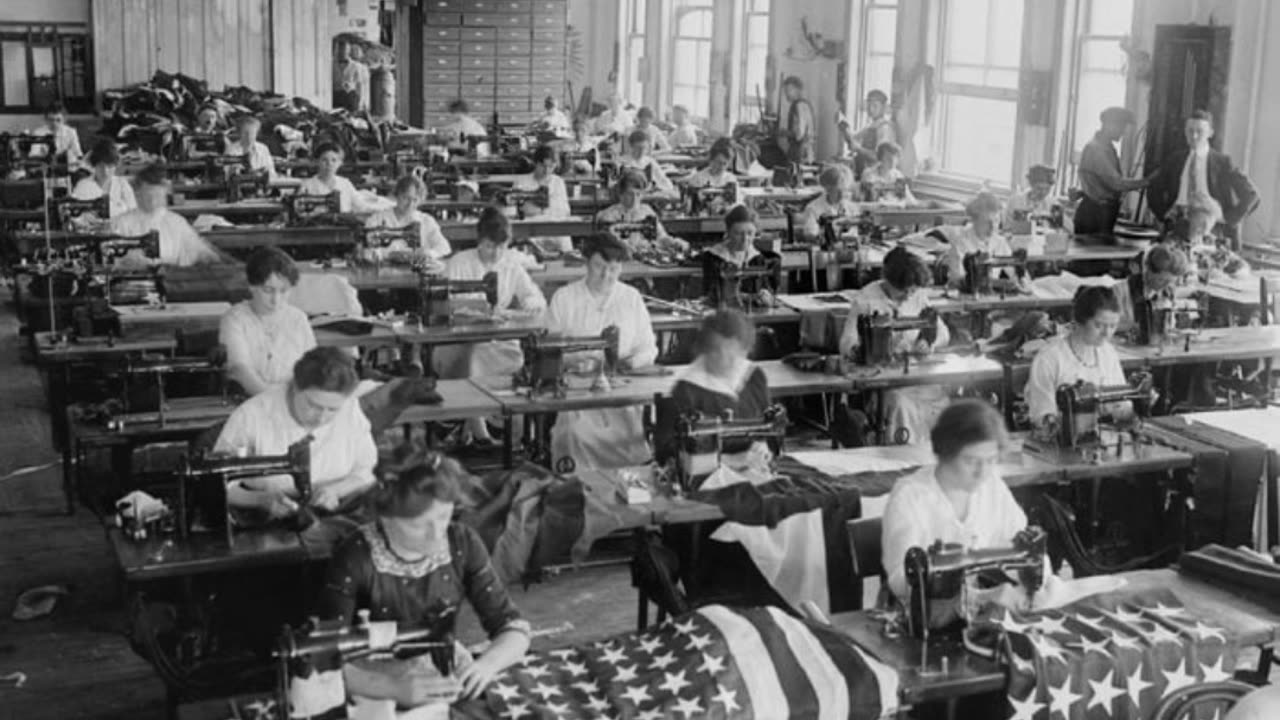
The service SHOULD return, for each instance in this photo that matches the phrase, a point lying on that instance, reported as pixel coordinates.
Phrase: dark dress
(364, 573)
(724, 289)
(686, 397)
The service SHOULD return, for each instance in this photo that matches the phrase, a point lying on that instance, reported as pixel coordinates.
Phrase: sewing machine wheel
(565, 466)
(901, 436)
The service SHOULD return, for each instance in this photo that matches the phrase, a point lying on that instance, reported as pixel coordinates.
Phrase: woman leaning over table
(265, 335)
(612, 437)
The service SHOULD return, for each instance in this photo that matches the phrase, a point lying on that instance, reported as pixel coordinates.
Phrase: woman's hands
(326, 497)
(477, 676)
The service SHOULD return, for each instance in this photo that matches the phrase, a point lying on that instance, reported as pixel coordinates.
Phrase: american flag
(1110, 656)
(714, 662)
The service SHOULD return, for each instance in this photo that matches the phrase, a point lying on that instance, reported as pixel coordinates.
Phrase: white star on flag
(1135, 685)
(1215, 672)
(1104, 692)
(727, 698)
(597, 703)
(660, 662)
(562, 654)
(544, 691)
(1204, 632)
(536, 671)
(1167, 612)
(648, 645)
(1050, 626)
(560, 709)
(1061, 698)
(1177, 679)
(685, 628)
(654, 714)
(1027, 708)
(689, 708)
(574, 669)
(515, 711)
(637, 694)
(1047, 648)
(698, 642)
(1164, 634)
(614, 656)
(587, 687)
(1127, 616)
(506, 692)
(626, 673)
(1121, 640)
(674, 683)
(1087, 646)
(711, 664)
(1010, 625)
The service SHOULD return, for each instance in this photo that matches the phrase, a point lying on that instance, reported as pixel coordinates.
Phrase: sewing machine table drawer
(433, 18)
(440, 33)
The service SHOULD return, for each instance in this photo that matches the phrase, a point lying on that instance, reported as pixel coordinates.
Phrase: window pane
(977, 140)
(882, 30)
(1002, 79)
(966, 40)
(879, 74)
(13, 55)
(1102, 55)
(1005, 43)
(639, 15)
(1110, 17)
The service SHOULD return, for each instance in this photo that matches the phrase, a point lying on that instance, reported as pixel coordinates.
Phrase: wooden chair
(866, 547)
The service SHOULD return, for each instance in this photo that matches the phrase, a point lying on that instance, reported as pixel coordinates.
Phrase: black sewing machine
(646, 228)
(436, 296)
(203, 481)
(1082, 408)
(405, 160)
(833, 232)
(713, 201)
(301, 207)
(68, 209)
(320, 647)
(198, 144)
(978, 267)
(248, 184)
(874, 192)
(518, 199)
(217, 168)
(877, 339)
(152, 372)
(941, 572)
(381, 238)
(1160, 317)
(737, 287)
(544, 360)
(700, 440)
(20, 150)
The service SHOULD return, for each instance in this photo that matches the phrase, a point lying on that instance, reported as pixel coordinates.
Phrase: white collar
(722, 251)
(697, 374)
(1200, 150)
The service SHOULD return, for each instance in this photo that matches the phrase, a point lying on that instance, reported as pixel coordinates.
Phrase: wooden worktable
(1212, 345)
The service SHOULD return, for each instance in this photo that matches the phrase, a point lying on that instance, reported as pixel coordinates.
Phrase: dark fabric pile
(153, 117)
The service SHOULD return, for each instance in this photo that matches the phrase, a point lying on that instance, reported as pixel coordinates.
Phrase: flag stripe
(801, 694)
(833, 694)
(758, 678)
(855, 665)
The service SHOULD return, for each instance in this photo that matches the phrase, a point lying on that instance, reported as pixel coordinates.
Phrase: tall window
(978, 89)
(879, 39)
(1100, 64)
(755, 52)
(632, 63)
(43, 64)
(690, 67)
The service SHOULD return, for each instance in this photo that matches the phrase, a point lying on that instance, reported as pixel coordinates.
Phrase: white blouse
(651, 169)
(348, 198)
(259, 157)
(820, 206)
(180, 244)
(875, 298)
(430, 238)
(967, 241)
(1056, 364)
(515, 287)
(575, 311)
(267, 346)
(119, 192)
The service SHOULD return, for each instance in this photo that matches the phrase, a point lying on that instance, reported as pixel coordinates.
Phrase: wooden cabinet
(501, 56)
(1190, 65)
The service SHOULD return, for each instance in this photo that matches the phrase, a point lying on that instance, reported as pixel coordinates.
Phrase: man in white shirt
(1188, 176)
(180, 244)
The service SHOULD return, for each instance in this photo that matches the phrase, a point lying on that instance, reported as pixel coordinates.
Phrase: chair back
(865, 546)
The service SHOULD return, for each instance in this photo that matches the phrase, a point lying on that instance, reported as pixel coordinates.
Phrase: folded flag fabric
(715, 662)
(1109, 656)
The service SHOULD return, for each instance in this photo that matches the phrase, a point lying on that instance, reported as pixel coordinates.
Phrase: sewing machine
(738, 287)
(69, 209)
(519, 198)
(198, 144)
(1161, 316)
(203, 481)
(876, 192)
(218, 168)
(834, 229)
(25, 149)
(942, 572)
(877, 334)
(138, 371)
(131, 284)
(405, 161)
(1082, 408)
(248, 184)
(978, 268)
(302, 207)
(310, 658)
(713, 201)
(436, 296)
(381, 238)
(700, 440)
(544, 366)
(646, 228)
(570, 160)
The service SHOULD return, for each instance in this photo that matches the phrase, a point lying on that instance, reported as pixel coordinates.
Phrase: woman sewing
(981, 234)
(724, 261)
(1085, 353)
(318, 403)
(628, 209)
(716, 173)
(105, 158)
(613, 437)
(546, 160)
(519, 297)
(836, 182)
(265, 336)
(908, 413)
(639, 158)
(410, 191)
(960, 499)
(180, 244)
(327, 180)
(884, 181)
(413, 565)
(1035, 201)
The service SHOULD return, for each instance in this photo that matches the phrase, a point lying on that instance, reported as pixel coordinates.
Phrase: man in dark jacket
(1199, 171)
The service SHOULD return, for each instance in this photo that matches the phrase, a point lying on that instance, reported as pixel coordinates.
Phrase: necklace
(1080, 358)
(386, 539)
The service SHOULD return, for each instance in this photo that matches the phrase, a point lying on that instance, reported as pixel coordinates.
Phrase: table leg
(508, 441)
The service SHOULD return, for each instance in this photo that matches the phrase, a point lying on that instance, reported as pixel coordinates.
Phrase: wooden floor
(77, 662)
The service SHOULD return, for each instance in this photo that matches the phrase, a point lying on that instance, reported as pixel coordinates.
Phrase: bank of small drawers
(503, 55)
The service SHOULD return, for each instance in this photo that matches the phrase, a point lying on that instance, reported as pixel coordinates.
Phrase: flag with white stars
(715, 662)
(1108, 656)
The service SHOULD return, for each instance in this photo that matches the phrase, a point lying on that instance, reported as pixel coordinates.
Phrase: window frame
(748, 102)
(58, 40)
(864, 42)
(630, 65)
(1084, 37)
(699, 115)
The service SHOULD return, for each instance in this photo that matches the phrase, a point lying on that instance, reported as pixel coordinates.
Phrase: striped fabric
(715, 662)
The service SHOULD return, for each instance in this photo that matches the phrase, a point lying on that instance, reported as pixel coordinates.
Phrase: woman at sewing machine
(716, 173)
(961, 499)
(208, 123)
(1196, 235)
(66, 141)
(684, 133)
(105, 158)
(903, 291)
(737, 251)
(410, 191)
(981, 234)
(645, 124)
(413, 565)
(614, 437)
(318, 402)
(518, 297)
(629, 209)
(327, 180)
(1035, 202)
(247, 128)
(265, 336)
(638, 158)
(546, 160)
(180, 244)
(884, 181)
(461, 125)
(836, 182)
(553, 119)
(1085, 353)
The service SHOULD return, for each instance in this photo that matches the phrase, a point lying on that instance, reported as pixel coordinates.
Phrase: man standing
(1101, 180)
(795, 136)
(1189, 176)
(880, 130)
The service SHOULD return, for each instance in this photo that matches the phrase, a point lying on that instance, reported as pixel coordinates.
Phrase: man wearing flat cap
(1102, 182)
